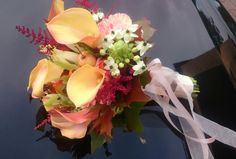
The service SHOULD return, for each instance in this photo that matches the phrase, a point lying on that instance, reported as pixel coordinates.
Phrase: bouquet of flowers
(96, 77)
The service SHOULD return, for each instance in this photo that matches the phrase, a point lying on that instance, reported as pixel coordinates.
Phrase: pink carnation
(118, 21)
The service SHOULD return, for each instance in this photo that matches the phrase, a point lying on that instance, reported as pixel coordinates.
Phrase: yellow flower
(72, 26)
(44, 72)
(83, 85)
(56, 8)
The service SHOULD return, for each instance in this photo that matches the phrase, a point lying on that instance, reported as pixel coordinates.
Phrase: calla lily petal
(73, 125)
(79, 117)
(56, 8)
(73, 25)
(84, 84)
(44, 72)
(91, 41)
(69, 129)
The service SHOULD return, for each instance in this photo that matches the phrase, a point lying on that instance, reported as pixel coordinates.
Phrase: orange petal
(69, 129)
(86, 58)
(91, 41)
(73, 25)
(56, 8)
(137, 95)
(44, 72)
(79, 117)
(84, 84)
(73, 125)
(104, 122)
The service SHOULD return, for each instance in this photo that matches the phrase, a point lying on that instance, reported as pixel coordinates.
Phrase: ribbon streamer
(194, 126)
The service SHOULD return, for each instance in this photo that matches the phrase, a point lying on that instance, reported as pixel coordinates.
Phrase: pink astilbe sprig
(44, 122)
(88, 5)
(40, 37)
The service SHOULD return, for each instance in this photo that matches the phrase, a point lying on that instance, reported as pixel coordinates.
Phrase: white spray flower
(98, 16)
(129, 35)
(119, 34)
(115, 70)
(139, 68)
(107, 42)
(143, 47)
(112, 66)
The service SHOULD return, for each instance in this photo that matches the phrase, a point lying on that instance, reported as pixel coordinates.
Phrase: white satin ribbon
(194, 126)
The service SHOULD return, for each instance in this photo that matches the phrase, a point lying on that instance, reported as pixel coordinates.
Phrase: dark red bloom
(114, 89)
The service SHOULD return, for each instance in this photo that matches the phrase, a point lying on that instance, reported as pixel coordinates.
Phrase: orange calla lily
(56, 8)
(44, 72)
(84, 84)
(73, 25)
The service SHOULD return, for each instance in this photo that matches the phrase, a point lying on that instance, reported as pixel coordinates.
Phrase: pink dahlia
(118, 21)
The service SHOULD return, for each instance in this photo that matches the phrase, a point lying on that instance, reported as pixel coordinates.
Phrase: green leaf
(132, 117)
(96, 141)
(119, 121)
(144, 78)
(147, 28)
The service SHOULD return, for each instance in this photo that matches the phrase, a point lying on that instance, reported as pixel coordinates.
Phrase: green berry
(117, 61)
(109, 58)
(127, 60)
(131, 45)
(134, 50)
(121, 65)
(136, 58)
(102, 52)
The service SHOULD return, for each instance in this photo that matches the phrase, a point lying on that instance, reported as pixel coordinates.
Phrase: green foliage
(147, 28)
(96, 141)
(144, 78)
(119, 121)
(132, 117)
(196, 89)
